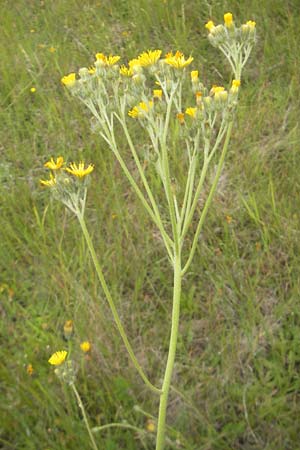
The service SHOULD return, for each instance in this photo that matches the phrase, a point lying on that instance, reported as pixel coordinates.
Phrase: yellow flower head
(194, 76)
(133, 63)
(85, 346)
(198, 97)
(126, 71)
(79, 170)
(55, 165)
(150, 426)
(210, 26)
(58, 358)
(178, 60)
(251, 24)
(140, 110)
(68, 329)
(216, 89)
(33, 90)
(191, 112)
(92, 70)
(69, 80)
(49, 183)
(228, 20)
(157, 93)
(29, 369)
(149, 58)
(107, 60)
(180, 117)
(235, 86)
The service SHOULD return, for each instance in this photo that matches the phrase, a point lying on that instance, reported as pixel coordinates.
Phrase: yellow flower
(55, 165)
(50, 183)
(191, 112)
(228, 20)
(178, 60)
(194, 76)
(92, 70)
(157, 93)
(79, 170)
(85, 346)
(52, 49)
(29, 369)
(228, 219)
(150, 426)
(251, 24)
(198, 97)
(58, 358)
(140, 110)
(107, 60)
(180, 117)
(69, 80)
(210, 26)
(68, 329)
(126, 71)
(216, 89)
(134, 62)
(149, 58)
(235, 86)
(33, 89)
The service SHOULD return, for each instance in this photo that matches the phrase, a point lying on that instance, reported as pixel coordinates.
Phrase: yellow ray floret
(140, 110)
(251, 24)
(58, 358)
(157, 93)
(191, 111)
(178, 60)
(55, 165)
(126, 71)
(49, 183)
(194, 76)
(69, 80)
(228, 20)
(107, 60)
(79, 170)
(149, 58)
(210, 25)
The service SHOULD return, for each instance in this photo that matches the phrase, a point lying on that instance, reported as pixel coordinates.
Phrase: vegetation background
(236, 381)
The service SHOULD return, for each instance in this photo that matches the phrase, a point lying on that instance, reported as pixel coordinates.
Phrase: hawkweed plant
(174, 110)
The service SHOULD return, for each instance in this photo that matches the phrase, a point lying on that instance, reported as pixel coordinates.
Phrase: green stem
(161, 424)
(209, 198)
(112, 305)
(118, 425)
(80, 404)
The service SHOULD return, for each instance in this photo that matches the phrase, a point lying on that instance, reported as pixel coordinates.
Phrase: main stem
(161, 424)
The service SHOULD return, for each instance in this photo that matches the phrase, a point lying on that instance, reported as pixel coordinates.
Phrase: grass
(236, 381)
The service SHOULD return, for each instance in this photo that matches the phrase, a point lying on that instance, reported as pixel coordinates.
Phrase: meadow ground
(236, 381)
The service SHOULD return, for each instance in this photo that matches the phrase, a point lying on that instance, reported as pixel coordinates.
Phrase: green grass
(236, 380)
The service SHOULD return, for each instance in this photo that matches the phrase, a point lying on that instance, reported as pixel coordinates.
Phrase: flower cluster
(68, 184)
(235, 42)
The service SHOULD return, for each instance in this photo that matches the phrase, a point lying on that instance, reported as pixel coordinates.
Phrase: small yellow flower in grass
(178, 60)
(79, 170)
(149, 58)
(58, 358)
(29, 369)
(55, 165)
(52, 49)
(180, 117)
(85, 346)
(68, 329)
(228, 20)
(49, 183)
(32, 30)
(198, 97)
(69, 80)
(228, 219)
(33, 90)
(107, 60)
(191, 112)
(210, 26)
(194, 76)
(157, 93)
(150, 426)
(126, 71)
(134, 63)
